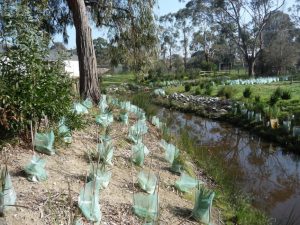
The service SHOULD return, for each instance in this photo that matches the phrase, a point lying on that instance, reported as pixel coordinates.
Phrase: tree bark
(251, 66)
(89, 84)
(170, 60)
(185, 44)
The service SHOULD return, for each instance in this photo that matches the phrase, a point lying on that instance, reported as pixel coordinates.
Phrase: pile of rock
(209, 104)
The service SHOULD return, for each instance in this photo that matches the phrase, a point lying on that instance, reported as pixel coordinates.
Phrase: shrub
(226, 91)
(286, 95)
(187, 87)
(33, 87)
(257, 98)
(208, 66)
(208, 90)
(273, 99)
(247, 92)
(198, 91)
(278, 92)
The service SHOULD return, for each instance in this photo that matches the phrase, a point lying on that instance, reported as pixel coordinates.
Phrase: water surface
(262, 169)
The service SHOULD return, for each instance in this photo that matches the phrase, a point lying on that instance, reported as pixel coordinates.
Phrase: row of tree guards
(146, 203)
(287, 124)
(252, 81)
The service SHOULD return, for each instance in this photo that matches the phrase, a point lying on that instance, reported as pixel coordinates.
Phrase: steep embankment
(53, 201)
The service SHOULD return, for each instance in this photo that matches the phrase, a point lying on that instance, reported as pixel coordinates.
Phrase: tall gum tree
(244, 21)
(125, 19)
(89, 84)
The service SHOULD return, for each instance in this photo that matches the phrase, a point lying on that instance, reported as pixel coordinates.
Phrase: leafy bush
(247, 92)
(257, 98)
(33, 87)
(187, 87)
(208, 66)
(275, 96)
(273, 99)
(286, 95)
(226, 91)
(277, 93)
(208, 90)
(198, 91)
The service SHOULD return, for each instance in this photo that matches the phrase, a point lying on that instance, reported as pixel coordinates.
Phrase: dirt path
(48, 202)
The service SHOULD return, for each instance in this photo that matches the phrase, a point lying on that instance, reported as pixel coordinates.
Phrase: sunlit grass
(117, 79)
(264, 91)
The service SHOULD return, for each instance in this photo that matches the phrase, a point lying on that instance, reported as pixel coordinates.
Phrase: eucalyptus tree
(205, 34)
(129, 20)
(295, 12)
(281, 43)
(244, 21)
(169, 36)
(183, 24)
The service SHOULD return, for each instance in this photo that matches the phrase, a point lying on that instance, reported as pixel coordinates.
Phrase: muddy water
(270, 176)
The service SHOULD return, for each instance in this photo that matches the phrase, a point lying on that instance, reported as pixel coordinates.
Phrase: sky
(165, 7)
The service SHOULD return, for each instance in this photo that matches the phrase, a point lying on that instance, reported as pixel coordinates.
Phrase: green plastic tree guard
(139, 151)
(106, 152)
(7, 192)
(160, 92)
(186, 183)
(79, 109)
(87, 103)
(103, 104)
(147, 181)
(88, 202)
(124, 118)
(44, 143)
(203, 205)
(36, 169)
(64, 131)
(155, 121)
(105, 119)
(146, 206)
(102, 177)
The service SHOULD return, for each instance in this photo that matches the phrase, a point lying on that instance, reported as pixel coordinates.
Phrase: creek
(263, 170)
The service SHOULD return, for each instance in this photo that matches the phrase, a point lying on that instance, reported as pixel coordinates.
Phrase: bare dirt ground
(54, 200)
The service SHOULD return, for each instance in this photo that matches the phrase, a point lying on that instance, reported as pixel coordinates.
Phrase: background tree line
(224, 34)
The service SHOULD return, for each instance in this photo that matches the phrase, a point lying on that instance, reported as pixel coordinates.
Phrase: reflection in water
(269, 175)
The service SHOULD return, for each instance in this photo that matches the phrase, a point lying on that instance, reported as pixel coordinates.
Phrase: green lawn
(117, 79)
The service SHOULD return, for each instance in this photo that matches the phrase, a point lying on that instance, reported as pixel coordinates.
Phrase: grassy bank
(259, 92)
(234, 205)
(116, 79)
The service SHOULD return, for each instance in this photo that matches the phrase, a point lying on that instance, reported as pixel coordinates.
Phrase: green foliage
(143, 100)
(75, 121)
(187, 87)
(208, 88)
(208, 66)
(257, 98)
(286, 95)
(275, 96)
(247, 92)
(33, 87)
(198, 91)
(226, 91)
(278, 92)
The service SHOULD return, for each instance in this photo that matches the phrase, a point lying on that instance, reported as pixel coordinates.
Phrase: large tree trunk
(170, 59)
(251, 65)
(89, 84)
(185, 44)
